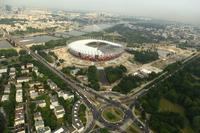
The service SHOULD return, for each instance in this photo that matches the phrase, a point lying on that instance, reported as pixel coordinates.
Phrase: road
(84, 92)
(27, 110)
(144, 89)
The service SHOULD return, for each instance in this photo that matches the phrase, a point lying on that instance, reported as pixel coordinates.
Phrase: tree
(22, 52)
(146, 56)
(196, 123)
(93, 78)
(8, 52)
(3, 123)
(115, 73)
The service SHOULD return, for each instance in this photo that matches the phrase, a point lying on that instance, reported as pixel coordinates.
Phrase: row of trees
(8, 53)
(50, 44)
(130, 82)
(9, 108)
(127, 84)
(182, 89)
(93, 80)
(46, 56)
(145, 56)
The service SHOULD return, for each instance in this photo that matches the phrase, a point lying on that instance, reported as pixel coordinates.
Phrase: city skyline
(185, 11)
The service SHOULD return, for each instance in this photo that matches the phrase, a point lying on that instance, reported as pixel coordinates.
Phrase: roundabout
(113, 115)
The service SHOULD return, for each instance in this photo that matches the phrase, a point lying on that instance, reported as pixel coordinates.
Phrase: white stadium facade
(95, 50)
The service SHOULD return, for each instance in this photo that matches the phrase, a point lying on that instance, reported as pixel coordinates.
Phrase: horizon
(187, 11)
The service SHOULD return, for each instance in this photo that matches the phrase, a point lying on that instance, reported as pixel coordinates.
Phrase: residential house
(19, 115)
(65, 95)
(53, 101)
(44, 130)
(5, 97)
(3, 70)
(59, 111)
(23, 79)
(19, 95)
(41, 103)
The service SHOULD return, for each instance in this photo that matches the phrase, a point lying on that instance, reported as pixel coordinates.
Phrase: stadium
(95, 50)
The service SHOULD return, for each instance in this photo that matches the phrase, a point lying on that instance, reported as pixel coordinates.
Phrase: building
(95, 50)
(39, 124)
(12, 69)
(37, 116)
(36, 40)
(59, 111)
(19, 95)
(20, 128)
(33, 94)
(76, 122)
(65, 95)
(35, 69)
(44, 130)
(3, 70)
(29, 65)
(23, 79)
(51, 84)
(61, 130)
(5, 97)
(54, 102)
(12, 72)
(24, 71)
(23, 67)
(18, 85)
(19, 115)
(41, 103)
(7, 89)
(74, 72)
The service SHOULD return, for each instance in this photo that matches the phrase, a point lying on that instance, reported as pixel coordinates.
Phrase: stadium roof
(83, 47)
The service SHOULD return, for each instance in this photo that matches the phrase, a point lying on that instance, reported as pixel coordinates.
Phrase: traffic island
(113, 115)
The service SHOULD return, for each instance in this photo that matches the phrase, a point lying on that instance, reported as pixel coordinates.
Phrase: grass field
(133, 129)
(112, 114)
(187, 130)
(166, 105)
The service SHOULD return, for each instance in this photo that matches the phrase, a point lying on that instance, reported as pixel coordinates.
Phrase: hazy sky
(180, 10)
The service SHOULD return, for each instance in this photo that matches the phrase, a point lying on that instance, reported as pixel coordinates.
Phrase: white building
(41, 103)
(19, 95)
(59, 111)
(29, 65)
(3, 70)
(7, 89)
(5, 97)
(24, 71)
(23, 79)
(19, 85)
(39, 124)
(33, 94)
(61, 130)
(37, 116)
(44, 130)
(51, 84)
(65, 95)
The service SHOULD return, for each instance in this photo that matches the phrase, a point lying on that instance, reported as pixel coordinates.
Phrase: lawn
(112, 114)
(133, 129)
(166, 105)
(187, 130)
